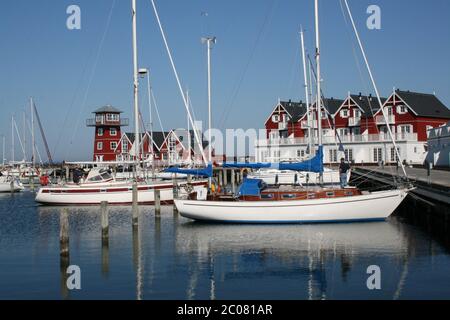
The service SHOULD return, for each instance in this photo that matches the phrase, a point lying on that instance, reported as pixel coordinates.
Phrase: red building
(359, 122)
(107, 124)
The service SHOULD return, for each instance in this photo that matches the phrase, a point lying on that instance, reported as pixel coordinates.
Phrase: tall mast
(12, 140)
(306, 91)
(135, 85)
(209, 42)
(3, 157)
(189, 130)
(318, 103)
(33, 158)
(24, 137)
(383, 111)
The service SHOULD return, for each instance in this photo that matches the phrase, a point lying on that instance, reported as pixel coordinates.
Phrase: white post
(306, 91)
(319, 97)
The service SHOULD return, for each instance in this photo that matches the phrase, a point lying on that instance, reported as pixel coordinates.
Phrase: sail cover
(200, 172)
(251, 187)
(312, 165)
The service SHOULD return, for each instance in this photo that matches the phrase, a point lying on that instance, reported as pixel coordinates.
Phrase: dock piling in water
(105, 221)
(157, 201)
(135, 204)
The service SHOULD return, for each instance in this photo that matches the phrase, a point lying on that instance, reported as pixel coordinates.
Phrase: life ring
(44, 181)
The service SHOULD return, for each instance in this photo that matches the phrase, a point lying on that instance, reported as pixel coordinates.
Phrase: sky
(256, 61)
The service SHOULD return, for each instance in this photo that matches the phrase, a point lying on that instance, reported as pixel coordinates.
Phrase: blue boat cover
(251, 187)
(200, 172)
(312, 165)
(241, 165)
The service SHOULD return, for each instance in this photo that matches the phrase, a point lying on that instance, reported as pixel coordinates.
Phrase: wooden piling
(135, 201)
(157, 201)
(105, 222)
(64, 233)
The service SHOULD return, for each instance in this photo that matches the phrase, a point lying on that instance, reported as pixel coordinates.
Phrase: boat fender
(44, 181)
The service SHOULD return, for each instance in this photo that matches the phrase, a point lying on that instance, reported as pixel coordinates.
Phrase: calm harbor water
(169, 257)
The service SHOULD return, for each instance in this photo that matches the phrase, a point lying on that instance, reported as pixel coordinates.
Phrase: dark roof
(295, 109)
(108, 108)
(425, 105)
(369, 104)
(332, 105)
(158, 137)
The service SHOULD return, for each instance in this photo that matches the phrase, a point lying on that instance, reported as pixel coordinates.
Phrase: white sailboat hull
(114, 195)
(367, 207)
(6, 187)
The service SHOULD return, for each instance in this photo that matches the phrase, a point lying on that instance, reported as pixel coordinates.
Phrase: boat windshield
(100, 176)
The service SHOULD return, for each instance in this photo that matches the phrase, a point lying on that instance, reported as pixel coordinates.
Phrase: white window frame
(345, 113)
(99, 146)
(357, 113)
(377, 154)
(111, 145)
(276, 118)
(111, 132)
(100, 132)
(400, 107)
(124, 143)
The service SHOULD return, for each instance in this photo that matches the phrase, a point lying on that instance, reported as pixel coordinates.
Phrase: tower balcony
(104, 122)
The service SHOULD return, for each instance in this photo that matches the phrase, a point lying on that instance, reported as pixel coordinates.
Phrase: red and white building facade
(360, 125)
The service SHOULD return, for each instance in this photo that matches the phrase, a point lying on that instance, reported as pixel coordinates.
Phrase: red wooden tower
(107, 123)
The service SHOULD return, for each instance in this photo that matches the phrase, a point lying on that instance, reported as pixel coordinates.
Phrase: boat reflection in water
(170, 257)
(296, 262)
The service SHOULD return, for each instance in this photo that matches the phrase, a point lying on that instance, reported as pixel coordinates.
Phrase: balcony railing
(103, 122)
(382, 120)
(382, 137)
(313, 124)
(353, 121)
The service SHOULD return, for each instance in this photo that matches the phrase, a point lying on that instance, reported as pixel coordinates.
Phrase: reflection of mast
(137, 259)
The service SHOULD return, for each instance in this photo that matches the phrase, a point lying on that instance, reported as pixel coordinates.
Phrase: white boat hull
(5, 186)
(114, 195)
(367, 207)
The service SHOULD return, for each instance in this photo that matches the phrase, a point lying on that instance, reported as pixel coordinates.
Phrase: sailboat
(100, 186)
(9, 183)
(255, 202)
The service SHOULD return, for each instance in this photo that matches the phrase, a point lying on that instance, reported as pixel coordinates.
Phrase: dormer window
(344, 113)
(276, 118)
(402, 109)
(357, 113)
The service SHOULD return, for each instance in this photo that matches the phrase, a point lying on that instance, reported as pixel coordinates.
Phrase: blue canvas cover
(312, 165)
(201, 172)
(251, 187)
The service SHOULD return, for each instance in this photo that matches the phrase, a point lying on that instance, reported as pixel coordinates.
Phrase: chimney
(360, 96)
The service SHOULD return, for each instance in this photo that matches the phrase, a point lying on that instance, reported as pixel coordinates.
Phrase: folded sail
(200, 172)
(312, 165)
